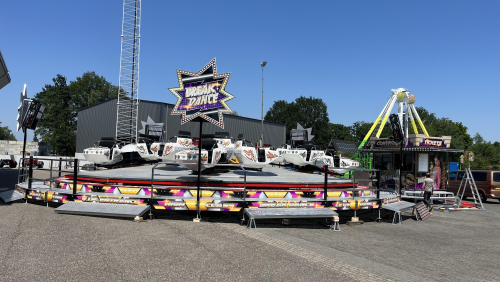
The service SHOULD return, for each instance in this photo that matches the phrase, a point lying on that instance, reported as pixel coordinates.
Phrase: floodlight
(33, 115)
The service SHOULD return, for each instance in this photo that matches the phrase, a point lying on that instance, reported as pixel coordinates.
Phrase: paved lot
(37, 244)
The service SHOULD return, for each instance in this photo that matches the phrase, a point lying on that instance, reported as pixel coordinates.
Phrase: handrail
(25, 173)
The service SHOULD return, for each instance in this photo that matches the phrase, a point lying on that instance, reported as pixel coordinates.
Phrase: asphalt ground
(38, 244)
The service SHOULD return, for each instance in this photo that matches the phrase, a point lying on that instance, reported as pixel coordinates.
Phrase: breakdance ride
(175, 188)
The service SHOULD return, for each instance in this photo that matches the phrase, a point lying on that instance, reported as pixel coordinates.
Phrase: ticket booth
(417, 161)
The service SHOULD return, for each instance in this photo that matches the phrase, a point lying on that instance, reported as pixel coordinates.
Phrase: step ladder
(469, 179)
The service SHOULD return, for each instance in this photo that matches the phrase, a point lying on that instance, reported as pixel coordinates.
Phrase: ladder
(469, 179)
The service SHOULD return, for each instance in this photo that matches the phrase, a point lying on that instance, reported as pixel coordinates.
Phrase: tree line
(312, 112)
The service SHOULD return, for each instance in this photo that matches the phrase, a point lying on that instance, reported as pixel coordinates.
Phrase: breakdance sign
(202, 94)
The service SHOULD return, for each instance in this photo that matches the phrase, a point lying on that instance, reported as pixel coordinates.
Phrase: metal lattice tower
(128, 93)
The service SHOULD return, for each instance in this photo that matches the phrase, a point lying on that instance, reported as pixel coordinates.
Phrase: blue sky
(349, 53)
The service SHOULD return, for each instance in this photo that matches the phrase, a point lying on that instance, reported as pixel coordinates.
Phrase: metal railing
(25, 172)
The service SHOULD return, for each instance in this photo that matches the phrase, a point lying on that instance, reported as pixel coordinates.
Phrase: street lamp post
(263, 64)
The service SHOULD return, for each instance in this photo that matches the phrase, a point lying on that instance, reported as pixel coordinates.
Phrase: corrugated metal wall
(100, 121)
(95, 122)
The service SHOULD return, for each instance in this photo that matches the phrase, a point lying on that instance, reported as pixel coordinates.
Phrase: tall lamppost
(263, 64)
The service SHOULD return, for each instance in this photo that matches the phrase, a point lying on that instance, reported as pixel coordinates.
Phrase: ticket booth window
(383, 161)
(407, 162)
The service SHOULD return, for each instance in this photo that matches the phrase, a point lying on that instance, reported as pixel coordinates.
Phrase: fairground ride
(403, 98)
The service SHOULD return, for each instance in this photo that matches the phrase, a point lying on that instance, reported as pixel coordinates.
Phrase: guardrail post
(244, 189)
(377, 173)
(75, 175)
(244, 195)
(30, 175)
(60, 163)
(20, 172)
(50, 181)
(325, 188)
(379, 219)
(151, 199)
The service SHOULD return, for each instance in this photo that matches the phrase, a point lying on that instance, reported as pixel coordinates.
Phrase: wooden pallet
(422, 210)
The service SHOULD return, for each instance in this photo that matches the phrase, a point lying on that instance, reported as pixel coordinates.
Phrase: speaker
(33, 115)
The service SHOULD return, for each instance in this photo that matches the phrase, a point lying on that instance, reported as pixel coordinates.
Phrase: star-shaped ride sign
(202, 94)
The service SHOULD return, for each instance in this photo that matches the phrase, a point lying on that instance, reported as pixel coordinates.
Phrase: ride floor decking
(175, 175)
(176, 188)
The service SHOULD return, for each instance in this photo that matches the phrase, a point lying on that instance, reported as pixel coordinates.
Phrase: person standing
(436, 173)
(428, 189)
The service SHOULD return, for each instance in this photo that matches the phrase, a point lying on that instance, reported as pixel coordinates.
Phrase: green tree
(357, 131)
(91, 89)
(309, 112)
(313, 112)
(478, 139)
(282, 112)
(58, 124)
(341, 132)
(437, 127)
(6, 133)
(486, 154)
(235, 113)
(62, 103)
(444, 127)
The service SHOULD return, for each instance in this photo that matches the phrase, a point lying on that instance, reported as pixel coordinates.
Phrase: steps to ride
(397, 208)
(111, 210)
(281, 213)
(11, 196)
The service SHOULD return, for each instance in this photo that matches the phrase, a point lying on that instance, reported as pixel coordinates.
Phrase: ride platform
(269, 177)
(175, 188)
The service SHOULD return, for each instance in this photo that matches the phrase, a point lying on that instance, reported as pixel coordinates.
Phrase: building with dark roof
(99, 121)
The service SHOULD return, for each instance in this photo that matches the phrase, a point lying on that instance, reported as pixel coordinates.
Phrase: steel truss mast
(128, 93)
